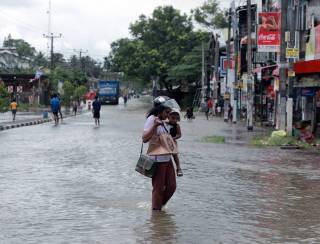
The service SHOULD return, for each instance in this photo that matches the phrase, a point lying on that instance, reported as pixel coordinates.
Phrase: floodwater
(75, 183)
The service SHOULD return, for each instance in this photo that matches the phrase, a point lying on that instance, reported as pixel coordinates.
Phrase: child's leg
(177, 162)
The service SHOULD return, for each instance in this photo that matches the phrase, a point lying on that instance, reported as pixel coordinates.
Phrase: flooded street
(75, 183)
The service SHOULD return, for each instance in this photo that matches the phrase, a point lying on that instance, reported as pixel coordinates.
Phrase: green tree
(4, 97)
(68, 91)
(40, 60)
(23, 48)
(210, 16)
(79, 92)
(160, 42)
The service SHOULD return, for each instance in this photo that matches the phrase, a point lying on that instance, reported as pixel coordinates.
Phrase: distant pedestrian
(13, 106)
(75, 107)
(189, 113)
(55, 106)
(209, 108)
(230, 113)
(125, 100)
(96, 107)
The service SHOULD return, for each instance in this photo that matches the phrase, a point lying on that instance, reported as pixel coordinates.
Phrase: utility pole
(216, 65)
(80, 51)
(227, 99)
(237, 95)
(51, 37)
(283, 65)
(249, 70)
(292, 44)
(202, 77)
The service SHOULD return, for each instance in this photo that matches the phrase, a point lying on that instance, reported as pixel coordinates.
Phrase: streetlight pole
(249, 70)
(283, 65)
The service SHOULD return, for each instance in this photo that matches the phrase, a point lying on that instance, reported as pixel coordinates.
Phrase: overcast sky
(89, 25)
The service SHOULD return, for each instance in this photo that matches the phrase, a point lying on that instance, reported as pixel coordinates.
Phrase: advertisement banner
(269, 32)
(317, 42)
(313, 45)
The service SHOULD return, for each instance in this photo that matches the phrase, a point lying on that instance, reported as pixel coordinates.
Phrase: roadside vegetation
(214, 139)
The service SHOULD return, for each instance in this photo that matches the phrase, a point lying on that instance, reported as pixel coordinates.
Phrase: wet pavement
(75, 183)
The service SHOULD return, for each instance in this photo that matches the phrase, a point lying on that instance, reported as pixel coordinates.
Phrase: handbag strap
(165, 128)
(141, 148)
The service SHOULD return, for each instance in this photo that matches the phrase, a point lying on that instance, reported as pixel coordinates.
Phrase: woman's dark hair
(156, 110)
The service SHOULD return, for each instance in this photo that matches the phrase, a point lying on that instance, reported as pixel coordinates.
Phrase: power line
(23, 24)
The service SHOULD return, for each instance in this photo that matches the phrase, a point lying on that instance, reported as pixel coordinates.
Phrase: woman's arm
(147, 134)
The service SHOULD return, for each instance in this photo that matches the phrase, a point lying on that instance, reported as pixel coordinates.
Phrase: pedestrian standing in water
(75, 107)
(125, 100)
(164, 179)
(55, 105)
(13, 106)
(96, 107)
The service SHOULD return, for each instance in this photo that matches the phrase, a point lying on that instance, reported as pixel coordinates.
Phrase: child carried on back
(175, 132)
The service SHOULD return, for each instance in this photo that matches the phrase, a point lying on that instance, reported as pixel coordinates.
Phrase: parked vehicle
(109, 91)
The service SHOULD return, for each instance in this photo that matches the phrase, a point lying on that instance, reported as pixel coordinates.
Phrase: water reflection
(160, 227)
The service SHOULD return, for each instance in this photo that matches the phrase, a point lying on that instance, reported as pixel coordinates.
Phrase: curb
(36, 122)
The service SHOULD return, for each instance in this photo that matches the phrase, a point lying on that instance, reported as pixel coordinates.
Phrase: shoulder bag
(145, 165)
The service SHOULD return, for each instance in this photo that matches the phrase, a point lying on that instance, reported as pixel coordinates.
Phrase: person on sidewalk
(75, 107)
(55, 105)
(96, 107)
(13, 106)
(230, 113)
(164, 179)
(209, 108)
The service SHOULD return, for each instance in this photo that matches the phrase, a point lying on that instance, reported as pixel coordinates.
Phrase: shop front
(307, 94)
(265, 95)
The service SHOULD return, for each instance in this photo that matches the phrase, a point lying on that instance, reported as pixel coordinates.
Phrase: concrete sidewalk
(22, 119)
(27, 119)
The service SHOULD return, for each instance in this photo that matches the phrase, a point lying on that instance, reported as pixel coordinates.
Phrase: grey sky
(89, 25)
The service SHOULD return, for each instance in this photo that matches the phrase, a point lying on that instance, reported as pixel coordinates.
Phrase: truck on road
(109, 91)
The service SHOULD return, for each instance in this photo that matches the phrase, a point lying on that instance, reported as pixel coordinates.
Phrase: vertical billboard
(269, 32)
(313, 44)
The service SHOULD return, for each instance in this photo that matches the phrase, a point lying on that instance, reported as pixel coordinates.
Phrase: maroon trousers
(164, 184)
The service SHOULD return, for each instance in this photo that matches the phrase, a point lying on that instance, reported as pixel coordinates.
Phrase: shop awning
(305, 67)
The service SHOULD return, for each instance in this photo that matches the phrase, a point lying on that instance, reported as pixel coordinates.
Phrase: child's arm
(178, 136)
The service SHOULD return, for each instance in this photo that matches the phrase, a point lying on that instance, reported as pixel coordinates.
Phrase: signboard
(226, 96)
(263, 57)
(223, 65)
(269, 32)
(291, 73)
(292, 53)
(307, 92)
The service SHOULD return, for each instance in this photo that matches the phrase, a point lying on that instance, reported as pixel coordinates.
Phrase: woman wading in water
(164, 179)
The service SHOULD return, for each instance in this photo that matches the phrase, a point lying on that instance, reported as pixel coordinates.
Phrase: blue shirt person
(55, 106)
(96, 107)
